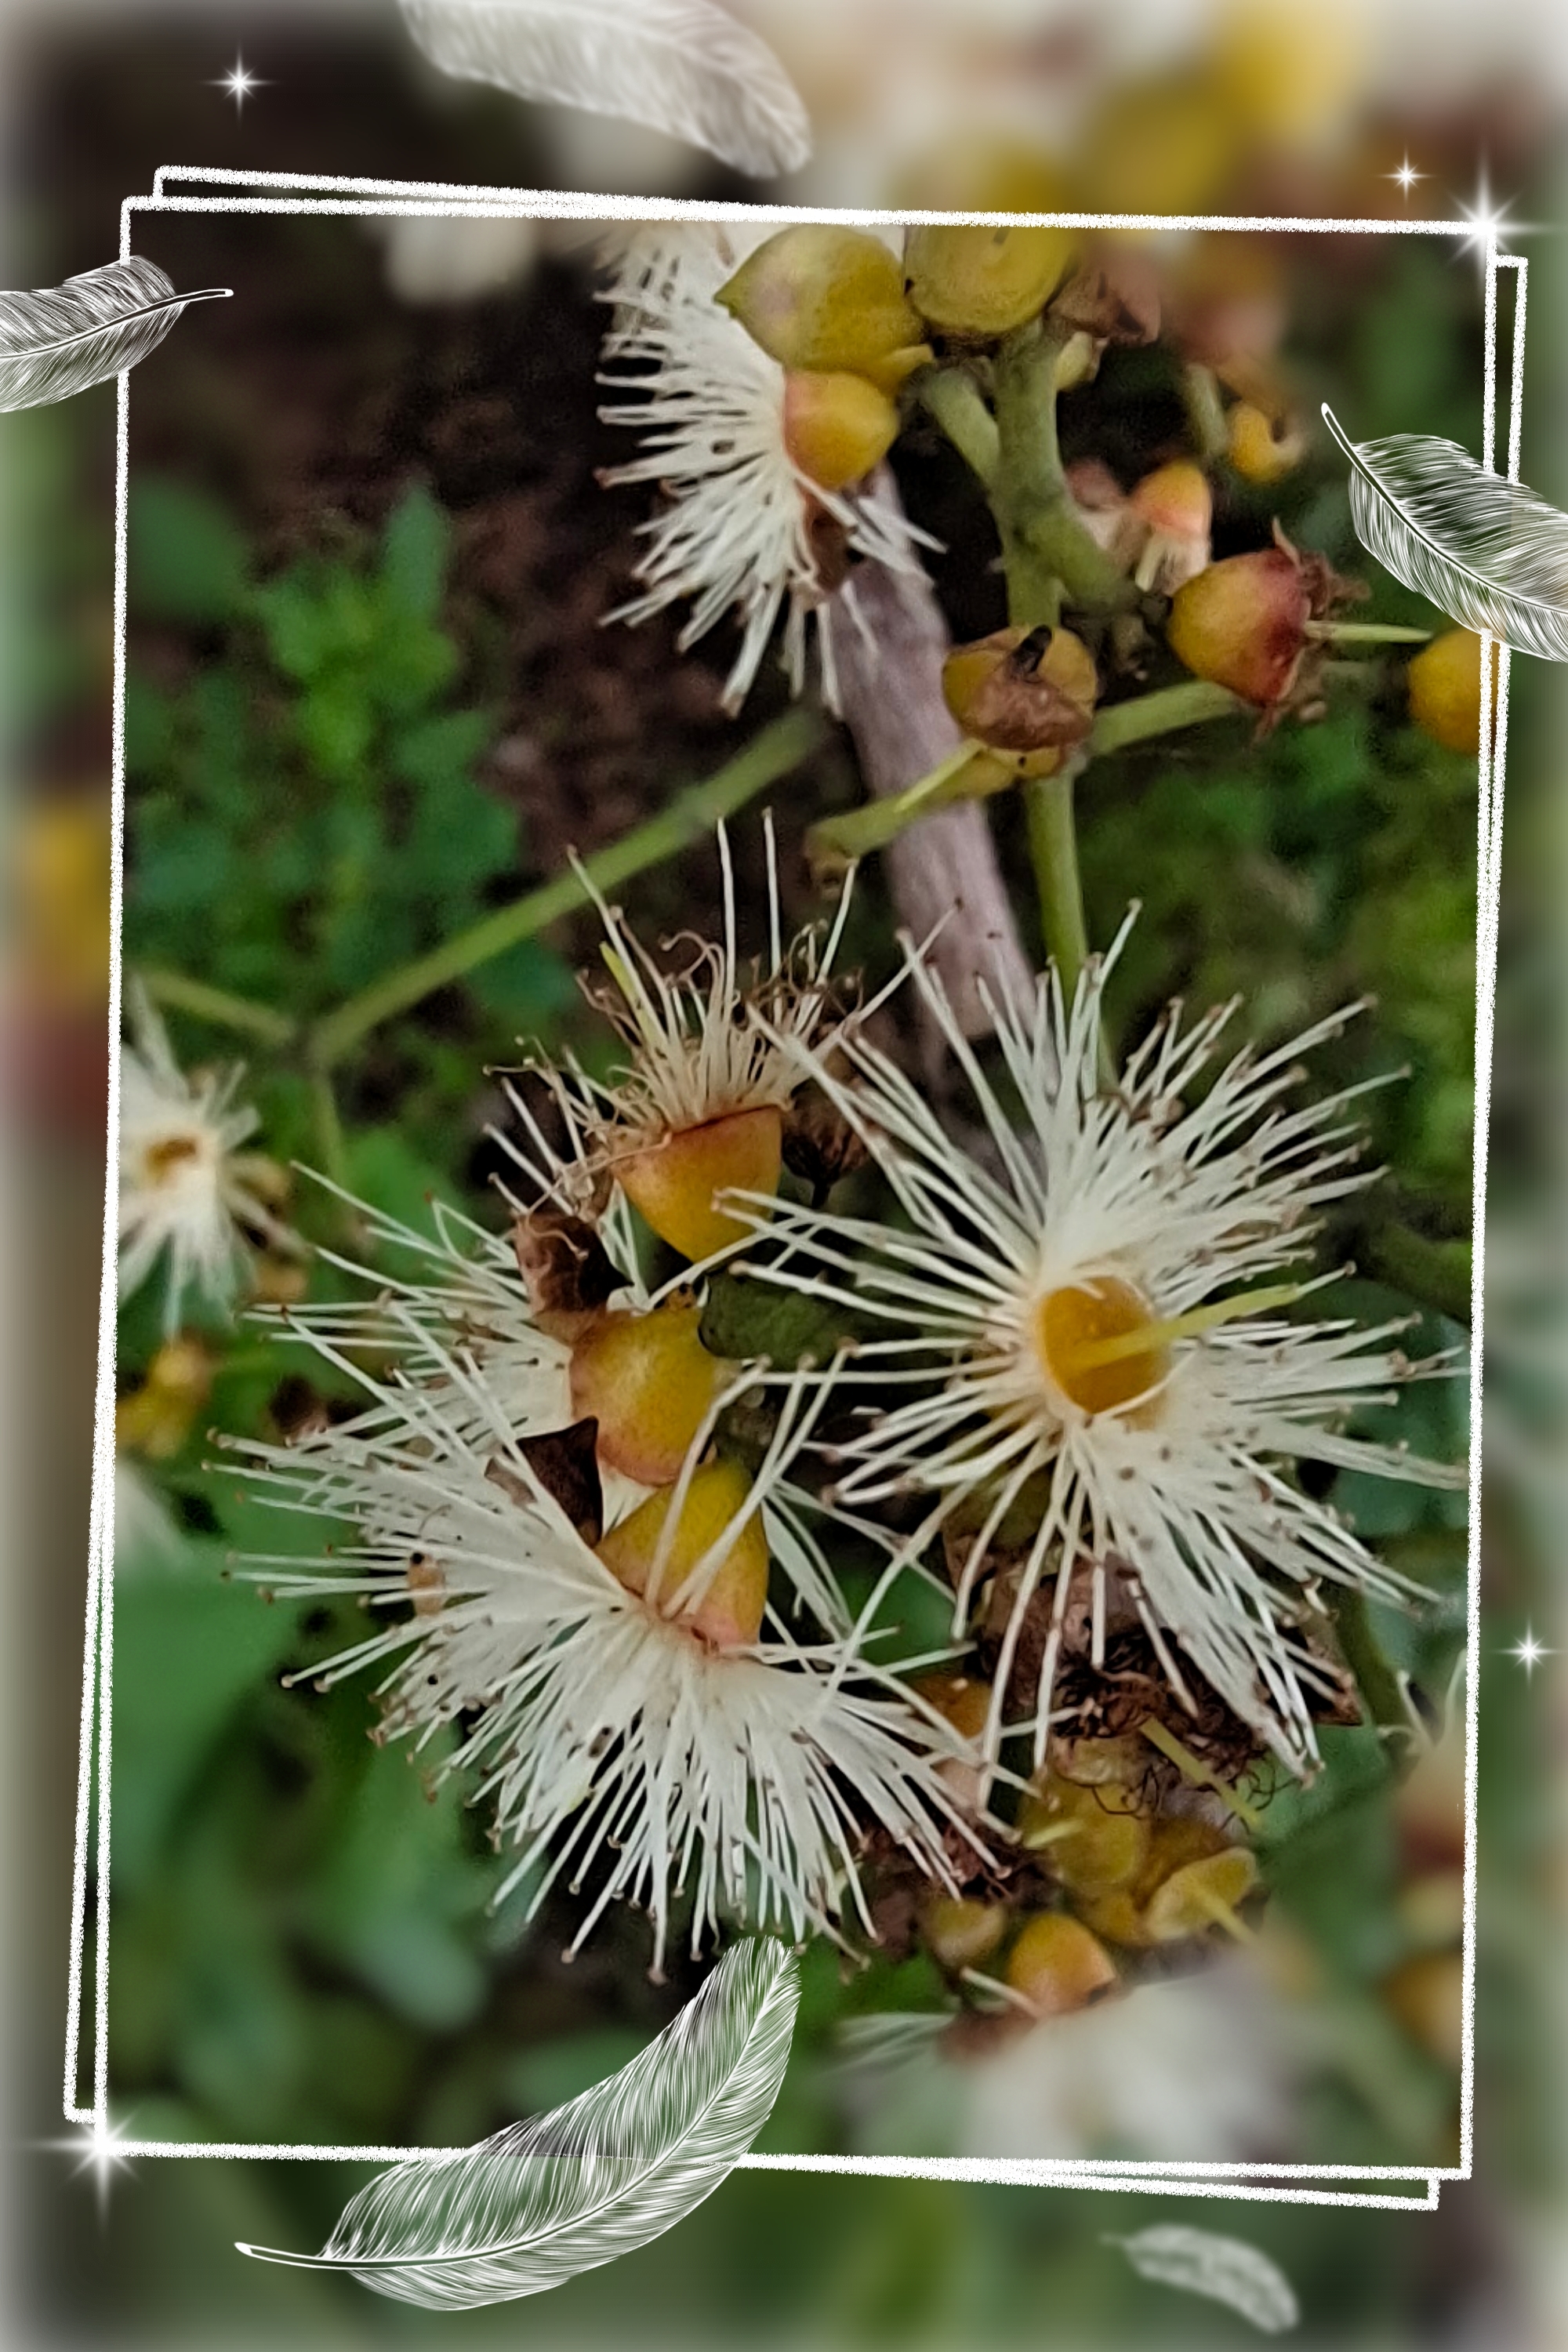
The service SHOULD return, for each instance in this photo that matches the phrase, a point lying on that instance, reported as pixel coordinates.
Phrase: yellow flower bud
(964, 1702)
(837, 426)
(1058, 1965)
(1164, 146)
(673, 1181)
(1176, 507)
(157, 1418)
(1444, 681)
(647, 1380)
(1263, 449)
(1426, 1994)
(1200, 1895)
(1093, 1838)
(960, 1934)
(983, 282)
(822, 298)
(1026, 692)
(729, 1613)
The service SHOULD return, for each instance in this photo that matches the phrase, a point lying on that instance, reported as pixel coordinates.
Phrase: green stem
(686, 818)
(1436, 1273)
(1366, 632)
(1382, 1693)
(1053, 849)
(330, 1141)
(1146, 715)
(956, 401)
(970, 774)
(1045, 549)
(836, 842)
(1206, 412)
(217, 1006)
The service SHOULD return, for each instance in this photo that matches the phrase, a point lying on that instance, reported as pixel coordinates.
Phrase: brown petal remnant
(820, 1147)
(566, 1464)
(1114, 297)
(565, 1268)
(1030, 692)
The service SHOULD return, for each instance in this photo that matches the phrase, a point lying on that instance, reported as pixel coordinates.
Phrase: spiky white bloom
(615, 1740)
(463, 1303)
(184, 1188)
(719, 1034)
(1082, 1299)
(145, 1531)
(742, 526)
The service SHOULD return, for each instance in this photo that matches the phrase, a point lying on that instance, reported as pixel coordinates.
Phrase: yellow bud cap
(983, 282)
(960, 1934)
(1444, 681)
(1058, 1965)
(156, 1419)
(837, 426)
(729, 1613)
(822, 298)
(648, 1379)
(1200, 1895)
(673, 1181)
(1263, 449)
(1093, 1838)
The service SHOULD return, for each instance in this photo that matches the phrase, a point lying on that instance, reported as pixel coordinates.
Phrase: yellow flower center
(1099, 1345)
(1072, 1328)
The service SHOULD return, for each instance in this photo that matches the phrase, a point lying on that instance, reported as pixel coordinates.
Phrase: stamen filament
(1200, 1774)
(1148, 1338)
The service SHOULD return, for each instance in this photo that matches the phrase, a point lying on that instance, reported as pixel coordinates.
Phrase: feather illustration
(681, 65)
(1227, 2269)
(59, 340)
(617, 2165)
(1488, 552)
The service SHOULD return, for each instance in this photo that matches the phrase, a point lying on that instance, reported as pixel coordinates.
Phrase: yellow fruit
(1058, 1965)
(1444, 681)
(1092, 1838)
(1242, 624)
(673, 1181)
(1261, 449)
(1426, 1995)
(983, 282)
(729, 1613)
(959, 1934)
(1288, 68)
(1027, 692)
(836, 427)
(647, 1380)
(960, 1699)
(824, 298)
(1165, 146)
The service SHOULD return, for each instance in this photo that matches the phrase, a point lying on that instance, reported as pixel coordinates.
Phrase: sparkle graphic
(1529, 1653)
(1407, 175)
(98, 2145)
(1485, 220)
(239, 82)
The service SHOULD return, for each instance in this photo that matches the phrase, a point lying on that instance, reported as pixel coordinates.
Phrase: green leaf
(186, 560)
(745, 1319)
(187, 1648)
(414, 554)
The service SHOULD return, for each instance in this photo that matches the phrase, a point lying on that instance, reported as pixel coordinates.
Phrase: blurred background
(306, 1953)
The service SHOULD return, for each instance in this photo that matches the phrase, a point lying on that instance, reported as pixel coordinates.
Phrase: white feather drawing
(1490, 554)
(617, 2165)
(1228, 2270)
(59, 340)
(681, 65)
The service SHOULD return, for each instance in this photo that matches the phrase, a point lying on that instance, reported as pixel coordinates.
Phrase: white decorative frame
(1268, 2183)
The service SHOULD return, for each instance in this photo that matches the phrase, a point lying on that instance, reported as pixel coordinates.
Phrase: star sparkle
(1529, 1653)
(99, 2150)
(239, 82)
(1407, 175)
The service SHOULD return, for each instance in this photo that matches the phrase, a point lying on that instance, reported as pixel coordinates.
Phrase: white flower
(145, 1530)
(743, 526)
(1084, 1299)
(182, 1186)
(1202, 2067)
(716, 1038)
(620, 1744)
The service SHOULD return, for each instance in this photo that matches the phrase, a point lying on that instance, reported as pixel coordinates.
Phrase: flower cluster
(609, 1527)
